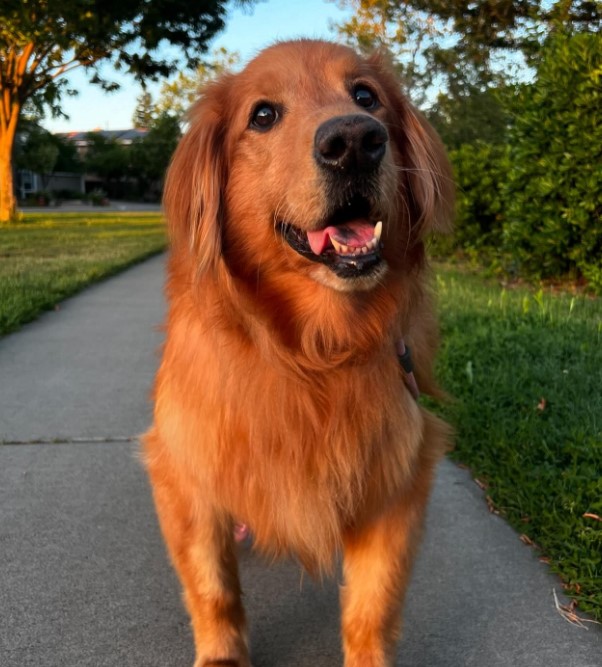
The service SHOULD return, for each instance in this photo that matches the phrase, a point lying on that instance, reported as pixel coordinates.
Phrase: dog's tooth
(378, 230)
(342, 249)
(336, 245)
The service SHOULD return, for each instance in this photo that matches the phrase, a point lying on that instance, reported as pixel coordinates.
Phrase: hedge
(534, 202)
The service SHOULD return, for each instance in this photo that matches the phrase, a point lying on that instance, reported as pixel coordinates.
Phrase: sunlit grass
(48, 257)
(525, 369)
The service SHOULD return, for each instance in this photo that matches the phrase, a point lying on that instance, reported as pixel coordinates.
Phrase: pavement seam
(71, 441)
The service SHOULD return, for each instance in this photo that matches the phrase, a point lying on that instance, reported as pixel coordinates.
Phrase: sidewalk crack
(78, 440)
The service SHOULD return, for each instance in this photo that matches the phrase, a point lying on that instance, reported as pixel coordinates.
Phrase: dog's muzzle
(348, 150)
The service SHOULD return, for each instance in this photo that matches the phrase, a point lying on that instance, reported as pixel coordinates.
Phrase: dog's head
(310, 160)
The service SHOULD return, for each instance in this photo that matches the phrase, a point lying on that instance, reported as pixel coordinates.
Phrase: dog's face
(311, 161)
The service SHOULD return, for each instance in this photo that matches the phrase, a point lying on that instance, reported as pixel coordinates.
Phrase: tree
(465, 51)
(478, 33)
(68, 158)
(40, 151)
(403, 31)
(150, 155)
(470, 116)
(37, 151)
(177, 96)
(41, 41)
(106, 158)
(499, 36)
(144, 112)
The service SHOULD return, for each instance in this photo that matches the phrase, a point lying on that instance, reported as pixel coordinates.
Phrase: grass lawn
(525, 370)
(48, 257)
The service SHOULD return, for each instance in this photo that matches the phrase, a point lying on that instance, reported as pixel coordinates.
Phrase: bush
(38, 198)
(67, 194)
(479, 170)
(98, 197)
(554, 190)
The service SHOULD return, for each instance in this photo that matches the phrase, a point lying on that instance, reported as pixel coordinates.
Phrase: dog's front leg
(377, 562)
(201, 546)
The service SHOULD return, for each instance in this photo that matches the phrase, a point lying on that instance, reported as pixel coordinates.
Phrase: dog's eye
(365, 97)
(264, 116)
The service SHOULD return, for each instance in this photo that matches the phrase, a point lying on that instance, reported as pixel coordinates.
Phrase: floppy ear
(429, 174)
(194, 186)
(428, 189)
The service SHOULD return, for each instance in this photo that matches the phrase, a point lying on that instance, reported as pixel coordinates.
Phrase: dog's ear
(194, 186)
(429, 175)
(428, 190)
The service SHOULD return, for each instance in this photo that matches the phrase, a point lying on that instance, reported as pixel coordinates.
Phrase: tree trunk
(8, 204)
(13, 70)
(7, 195)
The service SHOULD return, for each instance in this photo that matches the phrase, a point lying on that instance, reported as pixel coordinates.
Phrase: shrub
(554, 190)
(469, 116)
(479, 170)
(67, 194)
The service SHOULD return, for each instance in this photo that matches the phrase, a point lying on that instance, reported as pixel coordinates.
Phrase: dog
(298, 204)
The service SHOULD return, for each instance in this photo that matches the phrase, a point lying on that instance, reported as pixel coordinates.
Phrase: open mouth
(349, 243)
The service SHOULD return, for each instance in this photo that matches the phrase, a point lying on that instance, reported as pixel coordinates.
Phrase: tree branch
(22, 61)
(37, 61)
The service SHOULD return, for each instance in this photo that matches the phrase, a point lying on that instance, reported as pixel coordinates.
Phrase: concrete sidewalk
(84, 579)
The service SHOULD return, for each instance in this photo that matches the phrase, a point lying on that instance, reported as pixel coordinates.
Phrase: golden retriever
(298, 202)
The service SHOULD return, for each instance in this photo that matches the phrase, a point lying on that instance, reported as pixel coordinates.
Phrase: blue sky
(247, 31)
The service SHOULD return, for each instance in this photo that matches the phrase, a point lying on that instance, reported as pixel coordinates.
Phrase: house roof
(124, 136)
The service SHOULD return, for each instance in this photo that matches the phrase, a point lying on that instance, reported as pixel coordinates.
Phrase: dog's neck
(316, 326)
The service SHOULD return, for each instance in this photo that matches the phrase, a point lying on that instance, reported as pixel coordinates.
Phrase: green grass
(48, 257)
(525, 371)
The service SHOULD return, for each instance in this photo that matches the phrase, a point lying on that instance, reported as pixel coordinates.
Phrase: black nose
(350, 143)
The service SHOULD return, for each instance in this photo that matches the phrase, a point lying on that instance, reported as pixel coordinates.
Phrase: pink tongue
(355, 234)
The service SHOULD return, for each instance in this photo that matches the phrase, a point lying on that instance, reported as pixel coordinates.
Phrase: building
(123, 137)
(28, 183)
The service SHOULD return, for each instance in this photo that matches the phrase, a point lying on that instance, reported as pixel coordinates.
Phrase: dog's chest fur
(298, 456)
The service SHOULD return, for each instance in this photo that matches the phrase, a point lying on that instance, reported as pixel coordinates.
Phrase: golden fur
(279, 401)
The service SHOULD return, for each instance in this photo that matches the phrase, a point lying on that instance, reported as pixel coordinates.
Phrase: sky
(247, 31)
